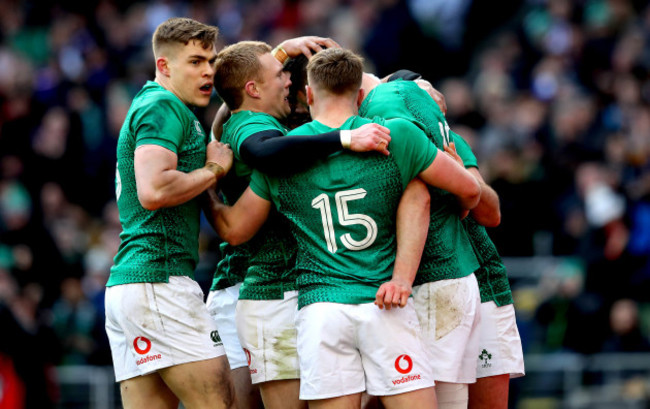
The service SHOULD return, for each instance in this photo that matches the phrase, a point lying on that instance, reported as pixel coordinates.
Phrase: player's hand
(394, 293)
(435, 94)
(219, 153)
(370, 137)
(307, 45)
(451, 151)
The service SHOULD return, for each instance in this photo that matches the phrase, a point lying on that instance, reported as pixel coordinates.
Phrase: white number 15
(322, 203)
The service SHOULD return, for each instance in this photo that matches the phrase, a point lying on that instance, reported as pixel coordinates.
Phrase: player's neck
(333, 112)
(165, 83)
(249, 104)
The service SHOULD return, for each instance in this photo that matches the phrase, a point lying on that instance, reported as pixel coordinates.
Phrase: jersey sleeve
(261, 123)
(159, 124)
(260, 185)
(412, 150)
(464, 150)
(274, 154)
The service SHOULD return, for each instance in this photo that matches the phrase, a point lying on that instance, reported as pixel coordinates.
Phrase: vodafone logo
(248, 356)
(399, 365)
(142, 345)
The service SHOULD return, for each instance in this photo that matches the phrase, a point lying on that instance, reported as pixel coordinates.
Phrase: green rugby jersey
(266, 263)
(342, 212)
(492, 277)
(405, 99)
(156, 244)
(448, 252)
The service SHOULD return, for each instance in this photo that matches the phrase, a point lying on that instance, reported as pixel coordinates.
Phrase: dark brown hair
(181, 30)
(336, 70)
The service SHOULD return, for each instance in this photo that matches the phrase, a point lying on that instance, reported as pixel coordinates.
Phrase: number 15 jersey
(342, 212)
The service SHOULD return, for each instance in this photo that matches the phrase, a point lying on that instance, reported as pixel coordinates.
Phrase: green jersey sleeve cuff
(260, 186)
(159, 142)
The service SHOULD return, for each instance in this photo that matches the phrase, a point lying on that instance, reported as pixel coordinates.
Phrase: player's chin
(202, 101)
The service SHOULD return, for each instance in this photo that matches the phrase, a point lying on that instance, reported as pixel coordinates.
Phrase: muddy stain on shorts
(283, 356)
(449, 308)
(142, 308)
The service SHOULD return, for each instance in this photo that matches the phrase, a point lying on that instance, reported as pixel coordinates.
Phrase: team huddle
(355, 271)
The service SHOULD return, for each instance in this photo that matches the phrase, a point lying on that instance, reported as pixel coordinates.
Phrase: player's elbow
(150, 200)
(231, 234)
(233, 238)
(493, 219)
(471, 195)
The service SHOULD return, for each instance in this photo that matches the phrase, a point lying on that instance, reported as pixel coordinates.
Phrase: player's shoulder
(401, 125)
(155, 102)
(246, 116)
(358, 121)
(302, 129)
(309, 128)
(250, 118)
(248, 122)
(153, 91)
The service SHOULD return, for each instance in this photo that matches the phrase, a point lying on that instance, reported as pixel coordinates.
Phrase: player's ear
(162, 65)
(251, 89)
(310, 95)
(360, 97)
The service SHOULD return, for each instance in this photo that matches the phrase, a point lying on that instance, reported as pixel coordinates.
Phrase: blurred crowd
(553, 96)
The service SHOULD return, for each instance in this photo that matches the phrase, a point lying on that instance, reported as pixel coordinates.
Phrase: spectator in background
(74, 320)
(625, 329)
(26, 365)
(568, 319)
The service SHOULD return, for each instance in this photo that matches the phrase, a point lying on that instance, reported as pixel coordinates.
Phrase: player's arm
(413, 214)
(307, 45)
(272, 153)
(159, 184)
(238, 223)
(447, 174)
(220, 118)
(487, 212)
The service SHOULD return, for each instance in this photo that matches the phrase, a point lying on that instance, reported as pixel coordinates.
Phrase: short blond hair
(182, 30)
(335, 70)
(236, 65)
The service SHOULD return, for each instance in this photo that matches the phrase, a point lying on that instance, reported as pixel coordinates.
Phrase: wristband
(215, 168)
(279, 54)
(346, 138)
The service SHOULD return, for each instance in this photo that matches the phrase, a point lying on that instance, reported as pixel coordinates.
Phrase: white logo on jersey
(118, 182)
(198, 127)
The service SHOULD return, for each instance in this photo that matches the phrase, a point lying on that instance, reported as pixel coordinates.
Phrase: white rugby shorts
(500, 350)
(222, 306)
(449, 312)
(151, 326)
(346, 349)
(267, 332)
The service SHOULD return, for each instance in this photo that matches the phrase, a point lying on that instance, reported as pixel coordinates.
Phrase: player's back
(342, 212)
(448, 252)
